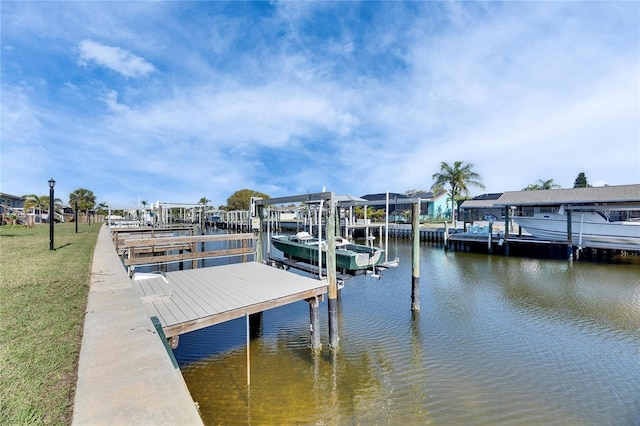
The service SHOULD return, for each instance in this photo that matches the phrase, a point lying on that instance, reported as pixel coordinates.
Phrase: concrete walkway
(125, 375)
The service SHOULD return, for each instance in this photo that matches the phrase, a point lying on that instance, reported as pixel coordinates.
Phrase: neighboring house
(10, 204)
(11, 201)
(432, 207)
(481, 208)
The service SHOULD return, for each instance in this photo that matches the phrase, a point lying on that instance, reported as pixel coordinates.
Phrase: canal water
(498, 340)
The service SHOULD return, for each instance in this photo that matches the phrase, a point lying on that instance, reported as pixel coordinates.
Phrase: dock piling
(314, 323)
(415, 255)
(331, 276)
(490, 239)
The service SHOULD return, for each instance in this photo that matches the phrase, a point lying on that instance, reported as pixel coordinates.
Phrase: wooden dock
(193, 299)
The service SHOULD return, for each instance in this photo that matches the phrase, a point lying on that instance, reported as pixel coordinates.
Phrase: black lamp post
(76, 215)
(52, 183)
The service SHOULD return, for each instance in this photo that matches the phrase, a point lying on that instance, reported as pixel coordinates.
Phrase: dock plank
(200, 288)
(206, 296)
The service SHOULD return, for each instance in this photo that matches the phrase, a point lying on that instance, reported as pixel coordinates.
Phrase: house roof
(399, 198)
(14, 197)
(478, 204)
(383, 196)
(591, 195)
(348, 199)
(484, 201)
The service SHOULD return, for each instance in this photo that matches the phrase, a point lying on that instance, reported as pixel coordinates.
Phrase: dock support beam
(314, 323)
(332, 276)
(415, 258)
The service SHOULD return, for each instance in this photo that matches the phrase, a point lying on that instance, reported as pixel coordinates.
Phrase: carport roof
(592, 195)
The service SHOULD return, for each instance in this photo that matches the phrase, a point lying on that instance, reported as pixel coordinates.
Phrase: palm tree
(204, 201)
(102, 209)
(458, 177)
(34, 201)
(39, 202)
(144, 211)
(85, 199)
(541, 184)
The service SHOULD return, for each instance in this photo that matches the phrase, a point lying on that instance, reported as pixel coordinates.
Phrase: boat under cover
(349, 256)
(588, 228)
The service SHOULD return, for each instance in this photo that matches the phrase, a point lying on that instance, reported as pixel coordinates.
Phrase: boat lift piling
(569, 237)
(331, 276)
(415, 257)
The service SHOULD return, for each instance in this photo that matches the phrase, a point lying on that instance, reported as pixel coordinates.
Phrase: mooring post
(489, 242)
(258, 210)
(445, 236)
(415, 257)
(331, 276)
(259, 242)
(505, 241)
(314, 323)
(569, 237)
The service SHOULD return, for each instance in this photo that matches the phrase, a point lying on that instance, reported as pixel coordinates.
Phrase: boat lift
(257, 211)
(317, 210)
(258, 214)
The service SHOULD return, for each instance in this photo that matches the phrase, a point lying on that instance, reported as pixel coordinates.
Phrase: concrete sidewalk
(125, 375)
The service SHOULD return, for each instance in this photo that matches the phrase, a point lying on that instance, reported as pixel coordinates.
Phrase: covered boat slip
(193, 299)
(349, 257)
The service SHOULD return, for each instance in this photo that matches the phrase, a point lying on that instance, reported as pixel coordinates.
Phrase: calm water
(497, 341)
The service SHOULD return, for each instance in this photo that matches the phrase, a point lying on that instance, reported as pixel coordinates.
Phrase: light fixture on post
(52, 183)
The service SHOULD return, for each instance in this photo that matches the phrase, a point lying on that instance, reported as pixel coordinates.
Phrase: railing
(120, 235)
(159, 248)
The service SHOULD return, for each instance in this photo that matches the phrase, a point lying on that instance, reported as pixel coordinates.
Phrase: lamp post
(76, 214)
(52, 183)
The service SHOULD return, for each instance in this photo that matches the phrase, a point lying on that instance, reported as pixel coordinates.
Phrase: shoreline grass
(43, 298)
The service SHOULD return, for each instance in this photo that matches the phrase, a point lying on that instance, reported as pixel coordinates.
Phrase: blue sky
(173, 101)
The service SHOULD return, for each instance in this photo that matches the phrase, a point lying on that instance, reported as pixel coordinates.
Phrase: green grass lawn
(43, 297)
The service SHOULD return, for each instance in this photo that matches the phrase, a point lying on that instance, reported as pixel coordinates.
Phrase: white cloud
(288, 97)
(114, 58)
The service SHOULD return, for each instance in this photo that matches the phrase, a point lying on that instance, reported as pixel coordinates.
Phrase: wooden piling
(446, 236)
(332, 278)
(569, 237)
(314, 323)
(415, 257)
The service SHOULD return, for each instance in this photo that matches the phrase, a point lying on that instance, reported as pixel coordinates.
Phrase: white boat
(589, 228)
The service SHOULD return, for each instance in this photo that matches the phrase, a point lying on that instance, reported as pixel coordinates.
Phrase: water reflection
(497, 340)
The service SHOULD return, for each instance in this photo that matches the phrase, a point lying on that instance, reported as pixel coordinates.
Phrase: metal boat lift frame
(257, 211)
